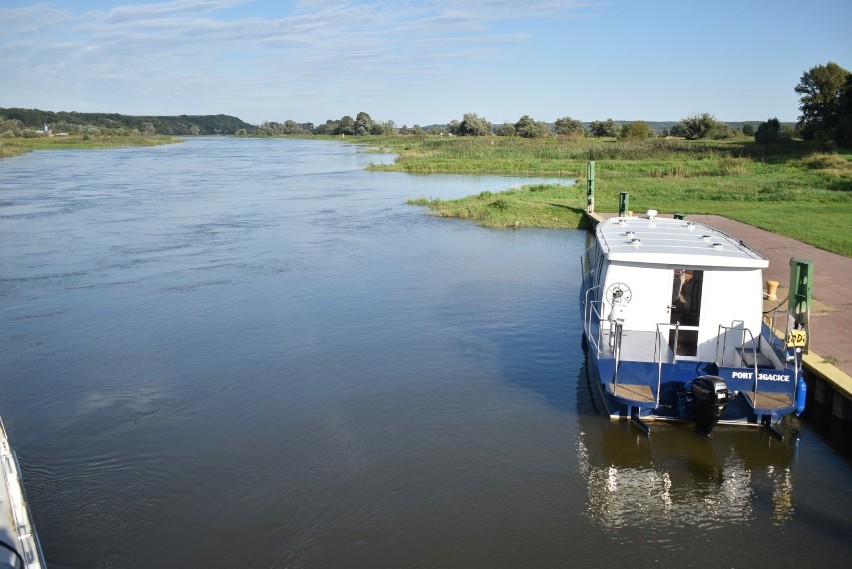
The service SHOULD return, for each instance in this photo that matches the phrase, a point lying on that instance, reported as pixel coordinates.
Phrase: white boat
(19, 545)
(674, 327)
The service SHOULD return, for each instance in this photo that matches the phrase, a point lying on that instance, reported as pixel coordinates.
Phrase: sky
(420, 62)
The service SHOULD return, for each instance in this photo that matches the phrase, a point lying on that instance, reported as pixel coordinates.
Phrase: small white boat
(674, 328)
(19, 545)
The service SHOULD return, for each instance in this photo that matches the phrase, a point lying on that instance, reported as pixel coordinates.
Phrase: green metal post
(590, 196)
(799, 302)
(623, 204)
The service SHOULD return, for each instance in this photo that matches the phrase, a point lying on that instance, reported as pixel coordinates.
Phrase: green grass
(799, 190)
(17, 146)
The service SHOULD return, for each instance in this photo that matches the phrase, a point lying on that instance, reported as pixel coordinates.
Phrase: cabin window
(686, 311)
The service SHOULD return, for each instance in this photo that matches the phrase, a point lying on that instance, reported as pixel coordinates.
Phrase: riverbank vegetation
(17, 146)
(799, 189)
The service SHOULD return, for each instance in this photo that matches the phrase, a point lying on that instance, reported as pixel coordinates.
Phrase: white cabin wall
(651, 294)
(729, 296)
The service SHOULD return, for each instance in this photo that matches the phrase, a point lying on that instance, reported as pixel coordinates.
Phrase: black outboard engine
(710, 394)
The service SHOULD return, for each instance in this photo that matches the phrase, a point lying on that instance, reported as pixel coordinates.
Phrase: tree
(506, 129)
(363, 124)
(844, 125)
(698, 126)
(473, 125)
(820, 89)
(566, 126)
(769, 132)
(748, 129)
(636, 130)
(346, 125)
(607, 128)
(529, 128)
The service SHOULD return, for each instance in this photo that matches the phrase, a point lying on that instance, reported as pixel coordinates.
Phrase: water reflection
(677, 478)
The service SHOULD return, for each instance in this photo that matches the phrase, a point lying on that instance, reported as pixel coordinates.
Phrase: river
(253, 353)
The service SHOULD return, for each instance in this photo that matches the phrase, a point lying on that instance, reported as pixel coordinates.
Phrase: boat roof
(666, 241)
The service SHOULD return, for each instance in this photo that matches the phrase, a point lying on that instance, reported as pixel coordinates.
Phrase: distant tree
(820, 89)
(389, 128)
(453, 127)
(529, 128)
(748, 129)
(844, 125)
(506, 129)
(678, 131)
(363, 124)
(241, 132)
(566, 126)
(636, 130)
(698, 126)
(769, 132)
(608, 128)
(346, 126)
(194, 130)
(474, 125)
(720, 131)
(148, 129)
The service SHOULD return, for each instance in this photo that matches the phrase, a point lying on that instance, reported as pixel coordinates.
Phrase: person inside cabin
(687, 297)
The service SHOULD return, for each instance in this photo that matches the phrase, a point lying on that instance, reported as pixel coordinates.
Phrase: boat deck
(636, 346)
(638, 393)
(769, 400)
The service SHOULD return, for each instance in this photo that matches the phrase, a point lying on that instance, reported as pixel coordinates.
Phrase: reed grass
(800, 190)
(17, 146)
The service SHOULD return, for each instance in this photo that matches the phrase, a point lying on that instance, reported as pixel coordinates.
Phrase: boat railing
(751, 345)
(661, 341)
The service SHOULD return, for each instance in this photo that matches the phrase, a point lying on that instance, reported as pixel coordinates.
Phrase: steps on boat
(748, 357)
(768, 400)
(634, 392)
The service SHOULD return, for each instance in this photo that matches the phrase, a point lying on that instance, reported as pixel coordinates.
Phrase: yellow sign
(797, 338)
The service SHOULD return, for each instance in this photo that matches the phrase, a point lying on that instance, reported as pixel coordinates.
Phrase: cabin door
(685, 311)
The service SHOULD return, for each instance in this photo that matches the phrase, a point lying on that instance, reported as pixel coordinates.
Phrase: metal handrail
(724, 336)
(658, 351)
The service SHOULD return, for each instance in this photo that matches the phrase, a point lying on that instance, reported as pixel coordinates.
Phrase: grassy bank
(17, 146)
(798, 190)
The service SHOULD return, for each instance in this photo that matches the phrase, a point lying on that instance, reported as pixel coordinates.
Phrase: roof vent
(717, 246)
(652, 213)
(635, 241)
(630, 233)
(690, 225)
(705, 238)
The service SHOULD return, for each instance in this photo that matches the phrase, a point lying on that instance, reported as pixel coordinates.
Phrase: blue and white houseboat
(674, 327)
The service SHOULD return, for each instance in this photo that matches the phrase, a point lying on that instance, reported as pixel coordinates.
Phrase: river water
(252, 353)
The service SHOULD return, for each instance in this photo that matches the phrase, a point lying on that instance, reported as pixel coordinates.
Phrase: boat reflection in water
(677, 477)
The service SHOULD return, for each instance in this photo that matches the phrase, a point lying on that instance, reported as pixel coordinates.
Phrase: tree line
(825, 103)
(31, 122)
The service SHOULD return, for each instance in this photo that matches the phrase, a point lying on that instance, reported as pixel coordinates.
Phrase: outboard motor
(710, 394)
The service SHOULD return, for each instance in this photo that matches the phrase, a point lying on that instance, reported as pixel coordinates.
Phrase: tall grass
(17, 146)
(800, 190)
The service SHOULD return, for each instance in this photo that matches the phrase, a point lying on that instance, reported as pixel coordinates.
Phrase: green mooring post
(590, 196)
(623, 204)
(799, 302)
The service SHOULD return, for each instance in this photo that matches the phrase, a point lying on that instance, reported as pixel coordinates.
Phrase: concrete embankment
(828, 364)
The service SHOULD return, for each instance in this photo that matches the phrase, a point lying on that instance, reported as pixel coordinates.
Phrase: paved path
(831, 314)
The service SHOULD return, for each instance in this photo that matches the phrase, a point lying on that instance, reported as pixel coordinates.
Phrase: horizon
(422, 63)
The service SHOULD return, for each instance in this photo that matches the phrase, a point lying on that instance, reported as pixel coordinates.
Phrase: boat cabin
(679, 279)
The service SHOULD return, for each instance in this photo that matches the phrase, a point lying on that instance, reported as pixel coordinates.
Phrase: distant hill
(168, 125)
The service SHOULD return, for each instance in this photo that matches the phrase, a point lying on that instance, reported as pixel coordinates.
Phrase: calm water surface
(252, 353)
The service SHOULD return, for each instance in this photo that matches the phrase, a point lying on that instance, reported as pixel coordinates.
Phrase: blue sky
(420, 61)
